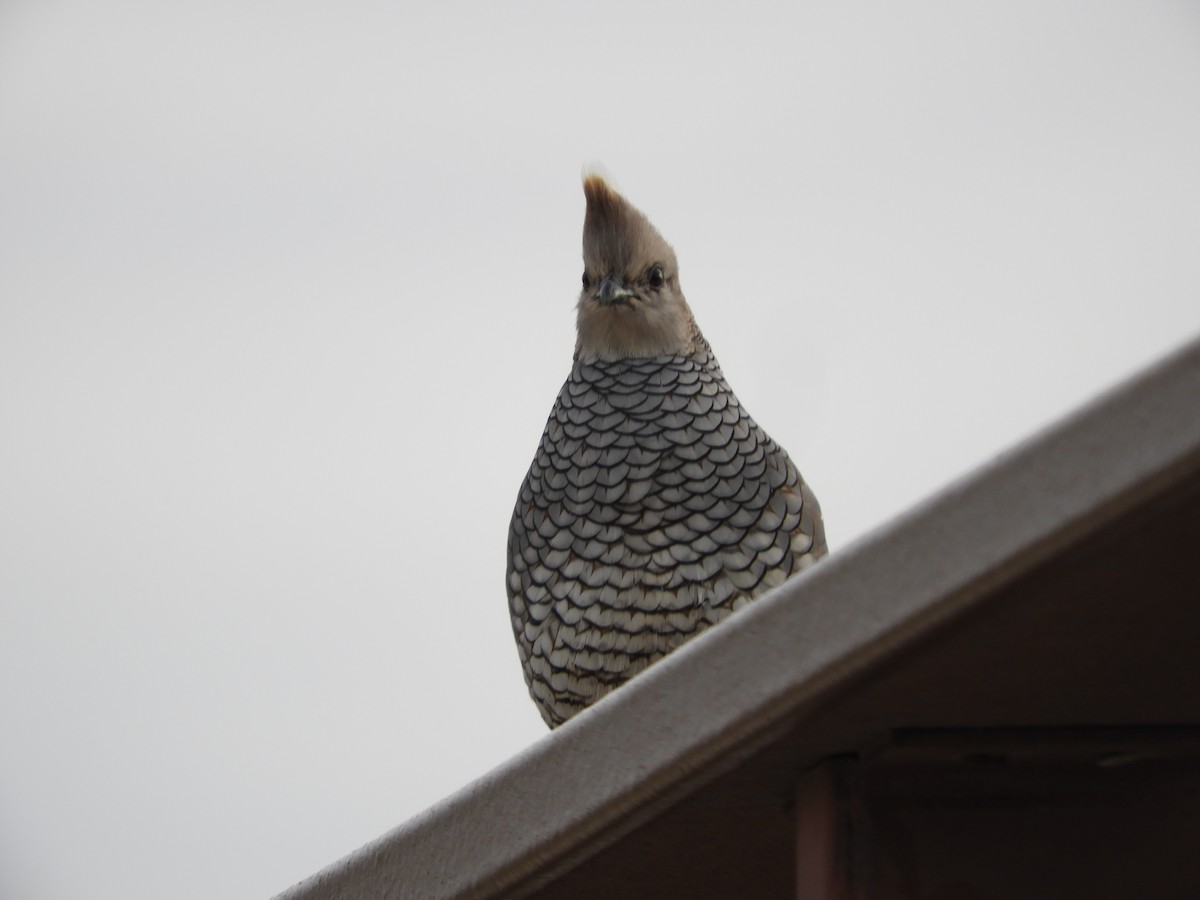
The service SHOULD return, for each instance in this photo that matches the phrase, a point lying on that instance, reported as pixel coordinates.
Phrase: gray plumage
(655, 506)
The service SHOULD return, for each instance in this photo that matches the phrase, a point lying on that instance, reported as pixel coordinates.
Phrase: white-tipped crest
(631, 303)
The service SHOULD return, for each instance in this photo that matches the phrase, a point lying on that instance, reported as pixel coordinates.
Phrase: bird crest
(631, 304)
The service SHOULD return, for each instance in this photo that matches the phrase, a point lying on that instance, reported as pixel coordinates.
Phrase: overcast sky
(286, 294)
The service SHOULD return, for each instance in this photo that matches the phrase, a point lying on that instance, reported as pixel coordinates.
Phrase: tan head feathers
(615, 232)
(631, 304)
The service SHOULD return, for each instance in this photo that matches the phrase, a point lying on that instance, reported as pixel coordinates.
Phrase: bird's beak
(612, 290)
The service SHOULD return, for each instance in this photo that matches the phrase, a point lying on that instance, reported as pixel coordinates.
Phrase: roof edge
(722, 695)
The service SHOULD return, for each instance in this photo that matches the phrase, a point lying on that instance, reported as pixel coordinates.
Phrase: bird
(655, 506)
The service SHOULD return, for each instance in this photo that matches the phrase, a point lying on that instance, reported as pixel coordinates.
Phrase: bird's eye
(587, 282)
(656, 277)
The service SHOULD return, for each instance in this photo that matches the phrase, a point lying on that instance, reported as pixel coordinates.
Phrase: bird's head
(631, 303)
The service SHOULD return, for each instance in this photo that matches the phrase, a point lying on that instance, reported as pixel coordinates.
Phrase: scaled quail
(655, 506)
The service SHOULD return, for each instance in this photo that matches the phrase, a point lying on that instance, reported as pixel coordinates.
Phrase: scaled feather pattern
(655, 505)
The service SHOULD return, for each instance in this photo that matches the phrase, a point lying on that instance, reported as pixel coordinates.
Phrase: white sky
(286, 294)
